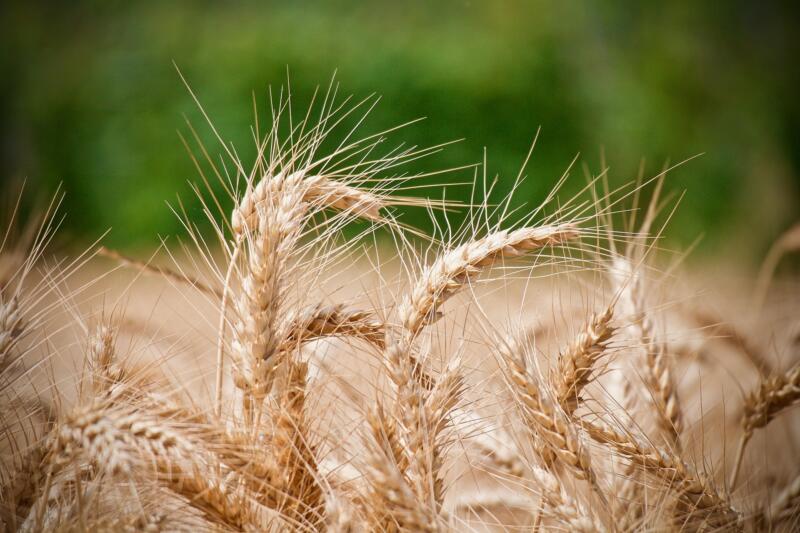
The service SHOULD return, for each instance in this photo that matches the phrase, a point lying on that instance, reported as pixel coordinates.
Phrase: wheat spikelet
(696, 496)
(453, 269)
(318, 190)
(334, 320)
(575, 364)
(761, 406)
(556, 439)
(561, 507)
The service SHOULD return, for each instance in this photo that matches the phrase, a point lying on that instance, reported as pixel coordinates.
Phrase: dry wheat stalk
(576, 363)
(761, 406)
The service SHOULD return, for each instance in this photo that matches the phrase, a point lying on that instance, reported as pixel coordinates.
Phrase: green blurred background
(90, 97)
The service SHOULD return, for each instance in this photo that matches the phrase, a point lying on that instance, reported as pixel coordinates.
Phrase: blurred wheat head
(309, 362)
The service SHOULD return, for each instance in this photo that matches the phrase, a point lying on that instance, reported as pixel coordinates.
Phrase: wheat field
(309, 362)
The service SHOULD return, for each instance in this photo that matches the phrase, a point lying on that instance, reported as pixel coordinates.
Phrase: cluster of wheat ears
(322, 365)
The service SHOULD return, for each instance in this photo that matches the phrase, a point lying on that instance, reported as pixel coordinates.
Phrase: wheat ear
(562, 507)
(556, 436)
(576, 363)
(392, 504)
(453, 269)
(10, 329)
(334, 321)
(695, 493)
(318, 190)
(125, 443)
(785, 503)
(428, 438)
(301, 499)
(658, 374)
(761, 406)
(256, 331)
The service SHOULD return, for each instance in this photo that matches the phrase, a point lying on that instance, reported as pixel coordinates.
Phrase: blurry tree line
(91, 98)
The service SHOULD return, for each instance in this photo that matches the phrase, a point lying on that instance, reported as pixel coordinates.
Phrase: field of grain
(309, 362)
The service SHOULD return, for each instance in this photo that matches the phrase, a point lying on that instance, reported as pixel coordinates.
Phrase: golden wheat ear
(772, 397)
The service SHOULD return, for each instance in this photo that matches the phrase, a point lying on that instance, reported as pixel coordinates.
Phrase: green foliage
(91, 96)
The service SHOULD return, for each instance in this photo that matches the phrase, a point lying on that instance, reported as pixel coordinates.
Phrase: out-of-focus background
(89, 96)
